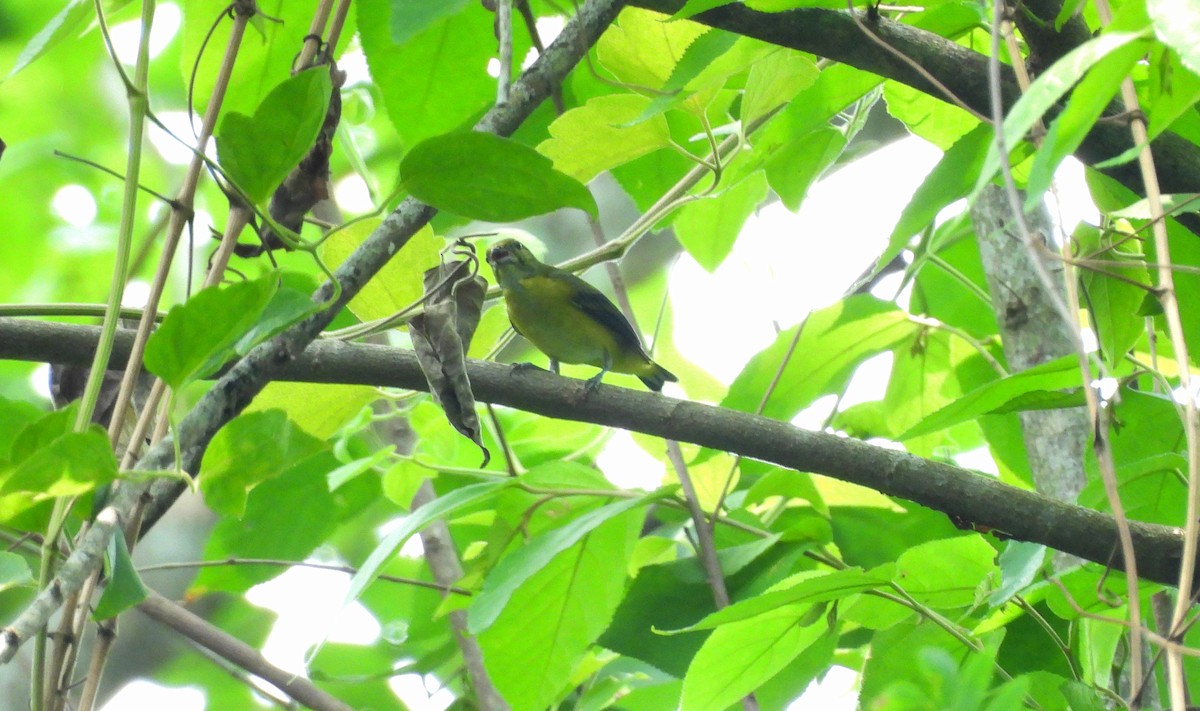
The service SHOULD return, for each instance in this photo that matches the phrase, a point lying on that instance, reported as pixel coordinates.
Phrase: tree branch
(235, 650)
(966, 495)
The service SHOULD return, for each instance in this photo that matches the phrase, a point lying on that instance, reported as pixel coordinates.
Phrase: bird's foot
(518, 367)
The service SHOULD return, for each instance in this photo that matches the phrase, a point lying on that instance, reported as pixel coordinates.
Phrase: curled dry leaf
(441, 337)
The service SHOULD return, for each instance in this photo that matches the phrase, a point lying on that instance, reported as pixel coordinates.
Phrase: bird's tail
(656, 376)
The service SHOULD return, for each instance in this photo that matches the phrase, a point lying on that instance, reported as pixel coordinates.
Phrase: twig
(443, 561)
(349, 570)
(243, 655)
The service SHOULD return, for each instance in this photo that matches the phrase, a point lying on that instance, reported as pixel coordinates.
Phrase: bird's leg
(554, 366)
(594, 381)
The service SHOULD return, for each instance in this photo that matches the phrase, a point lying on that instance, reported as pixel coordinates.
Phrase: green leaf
(320, 410)
(398, 284)
(793, 169)
(286, 308)
(14, 571)
(684, 88)
(950, 180)
(1111, 289)
(441, 507)
(124, 589)
(414, 17)
(67, 21)
(69, 464)
(1020, 563)
(517, 567)
(774, 81)
(1058, 374)
(1177, 24)
(258, 152)
(948, 573)
(264, 56)
(455, 50)
(1172, 203)
(489, 178)
(739, 656)
(551, 620)
(1046, 91)
(642, 49)
(601, 135)
(708, 227)
(808, 588)
(14, 417)
(199, 336)
(286, 518)
(249, 450)
(929, 117)
(1086, 104)
(835, 340)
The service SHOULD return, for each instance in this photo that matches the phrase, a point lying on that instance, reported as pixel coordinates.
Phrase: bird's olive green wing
(597, 306)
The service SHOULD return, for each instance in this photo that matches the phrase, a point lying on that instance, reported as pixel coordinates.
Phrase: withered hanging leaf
(306, 186)
(441, 337)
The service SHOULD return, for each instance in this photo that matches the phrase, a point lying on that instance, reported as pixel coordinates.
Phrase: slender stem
(188, 565)
(229, 647)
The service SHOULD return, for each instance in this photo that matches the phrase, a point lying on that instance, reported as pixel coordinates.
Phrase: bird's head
(511, 258)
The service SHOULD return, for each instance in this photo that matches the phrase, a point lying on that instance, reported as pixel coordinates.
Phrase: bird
(568, 319)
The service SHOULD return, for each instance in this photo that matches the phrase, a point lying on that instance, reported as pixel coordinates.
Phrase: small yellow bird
(568, 319)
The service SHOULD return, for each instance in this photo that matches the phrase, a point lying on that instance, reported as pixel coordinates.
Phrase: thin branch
(235, 650)
(349, 570)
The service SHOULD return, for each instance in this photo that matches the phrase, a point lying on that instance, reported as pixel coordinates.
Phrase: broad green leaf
(684, 87)
(258, 152)
(249, 450)
(396, 286)
(441, 507)
(551, 620)
(949, 573)
(642, 49)
(15, 416)
(264, 56)
(739, 656)
(1071, 126)
(1175, 91)
(835, 340)
(199, 336)
(286, 308)
(894, 658)
(286, 518)
(795, 167)
(600, 135)
(1045, 92)
(69, 464)
(455, 50)
(675, 595)
(1020, 563)
(489, 178)
(1177, 24)
(1111, 289)
(411, 18)
(318, 409)
(950, 180)
(1059, 374)
(708, 227)
(14, 571)
(517, 567)
(807, 588)
(929, 117)
(124, 589)
(774, 81)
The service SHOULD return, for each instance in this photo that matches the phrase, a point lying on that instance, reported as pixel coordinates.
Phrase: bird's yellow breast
(542, 310)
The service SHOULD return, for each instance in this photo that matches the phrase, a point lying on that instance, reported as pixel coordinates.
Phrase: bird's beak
(499, 255)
